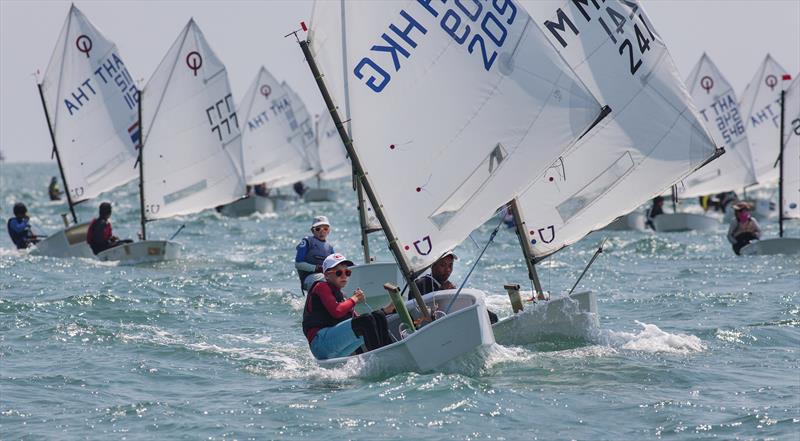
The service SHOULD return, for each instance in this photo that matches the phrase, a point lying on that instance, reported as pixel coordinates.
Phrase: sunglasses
(339, 273)
(318, 229)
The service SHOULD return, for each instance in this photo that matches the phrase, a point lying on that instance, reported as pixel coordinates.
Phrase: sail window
(596, 188)
(108, 167)
(185, 192)
(473, 184)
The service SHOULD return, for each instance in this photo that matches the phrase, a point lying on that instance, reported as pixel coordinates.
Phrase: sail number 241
(612, 21)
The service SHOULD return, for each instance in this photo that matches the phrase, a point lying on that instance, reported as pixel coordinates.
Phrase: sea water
(693, 342)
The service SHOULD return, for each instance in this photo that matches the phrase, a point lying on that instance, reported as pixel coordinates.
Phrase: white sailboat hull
(249, 205)
(674, 222)
(370, 278)
(778, 245)
(144, 251)
(631, 221)
(463, 331)
(69, 242)
(320, 195)
(572, 316)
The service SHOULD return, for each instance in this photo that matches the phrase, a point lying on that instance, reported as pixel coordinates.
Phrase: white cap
(320, 220)
(333, 260)
(449, 253)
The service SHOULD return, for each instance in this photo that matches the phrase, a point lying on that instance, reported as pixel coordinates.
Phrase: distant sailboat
(190, 158)
(716, 101)
(760, 106)
(428, 139)
(90, 103)
(788, 176)
(273, 144)
(333, 162)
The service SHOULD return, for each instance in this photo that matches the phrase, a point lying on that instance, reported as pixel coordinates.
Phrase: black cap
(105, 209)
(20, 209)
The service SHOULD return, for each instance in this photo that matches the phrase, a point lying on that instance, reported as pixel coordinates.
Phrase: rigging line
(464, 282)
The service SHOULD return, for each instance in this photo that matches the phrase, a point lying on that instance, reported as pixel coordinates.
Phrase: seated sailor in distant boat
(100, 236)
(439, 279)
(312, 251)
(299, 188)
(656, 209)
(54, 190)
(330, 323)
(744, 228)
(261, 190)
(19, 228)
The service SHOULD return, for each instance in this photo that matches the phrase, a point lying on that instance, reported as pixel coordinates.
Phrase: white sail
(192, 144)
(719, 110)
(453, 109)
(305, 135)
(273, 140)
(791, 151)
(92, 102)
(760, 105)
(652, 138)
(333, 160)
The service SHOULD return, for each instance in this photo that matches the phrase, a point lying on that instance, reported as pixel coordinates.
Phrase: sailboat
(716, 101)
(273, 143)
(190, 155)
(788, 174)
(760, 105)
(651, 138)
(90, 104)
(333, 162)
(434, 169)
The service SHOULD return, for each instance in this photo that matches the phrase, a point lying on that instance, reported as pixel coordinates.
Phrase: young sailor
(744, 228)
(100, 236)
(312, 251)
(439, 279)
(330, 324)
(19, 228)
(54, 190)
(656, 209)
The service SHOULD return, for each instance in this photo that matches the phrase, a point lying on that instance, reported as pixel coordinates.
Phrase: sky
(736, 34)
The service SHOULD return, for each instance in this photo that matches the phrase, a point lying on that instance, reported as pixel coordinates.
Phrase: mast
(362, 180)
(526, 251)
(674, 198)
(362, 219)
(780, 170)
(58, 157)
(141, 169)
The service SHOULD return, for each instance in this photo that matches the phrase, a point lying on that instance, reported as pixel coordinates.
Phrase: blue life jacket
(312, 250)
(19, 231)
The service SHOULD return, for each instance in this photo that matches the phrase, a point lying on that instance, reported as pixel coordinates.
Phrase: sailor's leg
(336, 341)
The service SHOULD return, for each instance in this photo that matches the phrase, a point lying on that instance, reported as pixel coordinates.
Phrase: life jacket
(98, 235)
(746, 227)
(316, 252)
(20, 238)
(426, 284)
(314, 313)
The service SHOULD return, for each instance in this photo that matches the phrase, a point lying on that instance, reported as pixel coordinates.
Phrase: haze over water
(693, 342)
